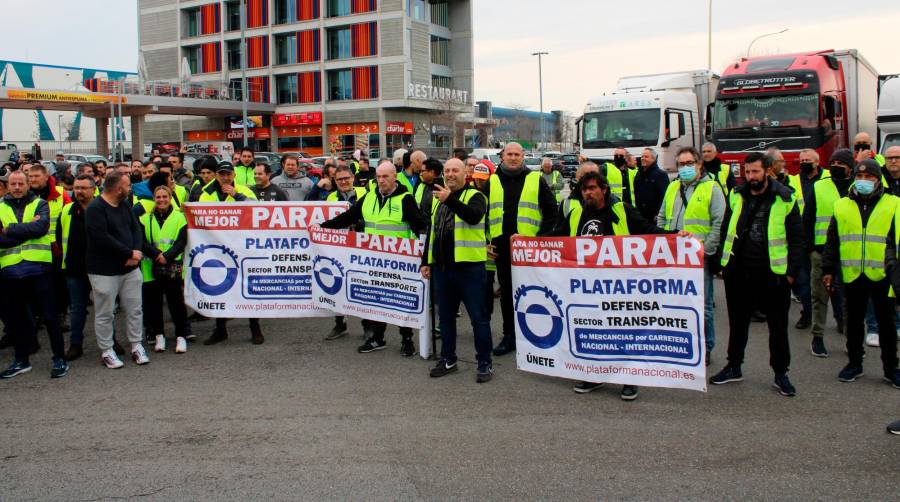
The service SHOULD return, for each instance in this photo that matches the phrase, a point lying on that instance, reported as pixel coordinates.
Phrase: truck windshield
(799, 110)
(621, 128)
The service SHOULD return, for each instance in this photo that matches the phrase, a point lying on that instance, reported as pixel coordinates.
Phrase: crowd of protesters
(114, 236)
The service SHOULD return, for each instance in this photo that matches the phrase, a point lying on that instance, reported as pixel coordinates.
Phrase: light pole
(763, 36)
(244, 69)
(541, 89)
(59, 129)
(709, 38)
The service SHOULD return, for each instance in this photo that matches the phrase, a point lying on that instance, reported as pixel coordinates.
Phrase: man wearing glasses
(892, 166)
(346, 192)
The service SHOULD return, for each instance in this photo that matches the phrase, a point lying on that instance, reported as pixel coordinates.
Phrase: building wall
(403, 57)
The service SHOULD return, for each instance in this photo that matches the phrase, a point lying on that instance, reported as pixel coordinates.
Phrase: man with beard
(760, 258)
(601, 214)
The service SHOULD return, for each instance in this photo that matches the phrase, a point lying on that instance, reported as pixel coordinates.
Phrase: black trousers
(856, 296)
(504, 277)
(173, 292)
(746, 288)
(377, 328)
(34, 290)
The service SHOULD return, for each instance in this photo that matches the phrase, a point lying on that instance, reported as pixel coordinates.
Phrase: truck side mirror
(673, 124)
(708, 119)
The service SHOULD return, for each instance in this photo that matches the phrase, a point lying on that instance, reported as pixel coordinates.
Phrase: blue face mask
(687, 173)
(864, 187)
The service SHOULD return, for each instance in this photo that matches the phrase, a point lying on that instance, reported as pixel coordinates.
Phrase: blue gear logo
(329, 274)
(214, 269)
(539, 314)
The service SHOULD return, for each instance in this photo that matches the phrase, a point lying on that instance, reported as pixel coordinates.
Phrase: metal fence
(256, 91)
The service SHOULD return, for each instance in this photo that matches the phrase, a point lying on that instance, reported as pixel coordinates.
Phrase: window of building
(286, 49)
(286, 88)
(292, 11)
(416, 9)
(233, 50)
(340, 85)
(338, 8)
(235, 90)
(340, 43)
(193, 56)
(440, 13)
(440, 51)
(441, 82)
(233, 16)
(192, 22)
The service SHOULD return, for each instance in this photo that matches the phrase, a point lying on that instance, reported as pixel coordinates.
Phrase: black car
(568, 164)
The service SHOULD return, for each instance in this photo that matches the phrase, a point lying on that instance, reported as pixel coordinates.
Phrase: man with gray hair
(715, 167)
(650, 184)
(551, 176)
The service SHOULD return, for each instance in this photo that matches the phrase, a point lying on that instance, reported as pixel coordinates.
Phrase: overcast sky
(591, 42)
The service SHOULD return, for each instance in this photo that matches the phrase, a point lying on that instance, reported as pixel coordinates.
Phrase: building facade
(345, 74)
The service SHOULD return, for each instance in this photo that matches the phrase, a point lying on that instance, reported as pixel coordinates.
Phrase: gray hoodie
(296, 187)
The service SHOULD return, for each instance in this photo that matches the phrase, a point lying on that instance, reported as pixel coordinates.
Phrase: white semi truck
(664, 111)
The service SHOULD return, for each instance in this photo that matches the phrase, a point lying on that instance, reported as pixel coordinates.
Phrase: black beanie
(157, 180)
(843, 155)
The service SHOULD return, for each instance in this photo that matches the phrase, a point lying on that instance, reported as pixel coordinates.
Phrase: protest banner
(625, 310)
(373, 277)
(252, 259)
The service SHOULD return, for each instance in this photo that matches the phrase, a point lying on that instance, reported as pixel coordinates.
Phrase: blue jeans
(464, 283)
(872, 323)
(79, 293)
(802, 288)
(709, 309)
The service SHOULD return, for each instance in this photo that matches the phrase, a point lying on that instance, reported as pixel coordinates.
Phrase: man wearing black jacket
(455, 256)
(761, 258)
(517, 205)
(650, 185)
(376, 203)
(817, 213)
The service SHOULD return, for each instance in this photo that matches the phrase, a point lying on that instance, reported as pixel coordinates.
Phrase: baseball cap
(225, 166)
(869, 166)
(481, 172)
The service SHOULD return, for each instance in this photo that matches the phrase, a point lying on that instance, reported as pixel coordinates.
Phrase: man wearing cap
(206, 173)
(855, 248)
(387, 210)
(519, 203)
(817, 215)
(224, 189)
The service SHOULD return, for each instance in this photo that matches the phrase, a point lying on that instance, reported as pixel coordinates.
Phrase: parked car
(302, 155)
(191, 158)
(568, 164)
(273, 159)
(75, 158)
(533, 163)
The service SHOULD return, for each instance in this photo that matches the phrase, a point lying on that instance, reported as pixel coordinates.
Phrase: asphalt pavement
(299, 418)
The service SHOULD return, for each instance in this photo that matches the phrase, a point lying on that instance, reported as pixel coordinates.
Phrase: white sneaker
(139, 355)
(180, 345)
(872, 339)
(160, 343)
(111, 360)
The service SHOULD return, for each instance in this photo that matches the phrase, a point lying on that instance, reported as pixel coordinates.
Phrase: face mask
(864, 187)
(806, 167)
(687, 173)
(756, 185)
(838, 173)
(862, 146)
(619, 161)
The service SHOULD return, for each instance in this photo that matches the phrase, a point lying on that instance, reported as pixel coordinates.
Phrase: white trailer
(664, 111)
(889, 114)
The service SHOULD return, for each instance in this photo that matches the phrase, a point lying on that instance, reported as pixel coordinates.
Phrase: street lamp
(709, 38)
(763, 36)
(541, 89)
(59, 129)
(243, 12)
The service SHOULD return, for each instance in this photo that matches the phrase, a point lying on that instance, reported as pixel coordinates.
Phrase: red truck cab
(789, 101)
